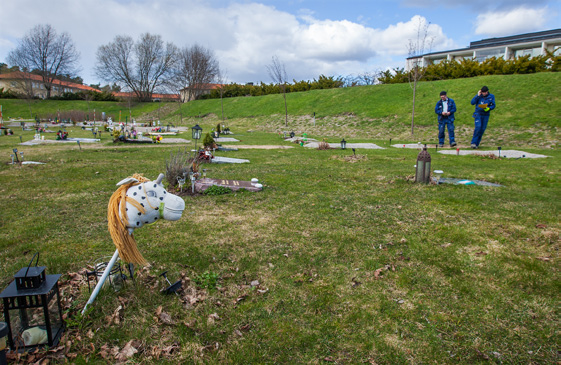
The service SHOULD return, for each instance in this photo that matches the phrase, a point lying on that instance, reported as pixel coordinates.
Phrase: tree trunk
(413, 111)
(285, 107)
(222, 105)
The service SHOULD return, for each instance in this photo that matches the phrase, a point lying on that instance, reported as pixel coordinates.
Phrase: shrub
(177, 165)
(208, 141)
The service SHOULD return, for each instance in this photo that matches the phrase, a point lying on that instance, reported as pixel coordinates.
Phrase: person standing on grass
(445, 108)
(484, 102)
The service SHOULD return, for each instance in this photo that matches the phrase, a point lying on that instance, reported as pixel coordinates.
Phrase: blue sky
(311, 37)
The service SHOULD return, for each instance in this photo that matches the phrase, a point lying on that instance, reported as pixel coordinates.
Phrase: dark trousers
(480, 126)
(442, 124)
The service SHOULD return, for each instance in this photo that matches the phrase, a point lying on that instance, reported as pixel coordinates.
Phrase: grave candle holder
(193, 178)
(422, 172)
(181, 182)
(343, 144)
(438, 174)
(32, 309)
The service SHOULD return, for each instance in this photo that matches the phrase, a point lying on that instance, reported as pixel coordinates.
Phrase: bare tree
(417, 48)
(277, 72)
(222, 76)
(142, 67)
(196, 68)
(47, 53)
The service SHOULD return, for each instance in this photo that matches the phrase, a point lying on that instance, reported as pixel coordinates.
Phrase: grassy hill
(528, 110)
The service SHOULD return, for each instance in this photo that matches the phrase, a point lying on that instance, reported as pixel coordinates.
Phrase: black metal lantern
(422, 172)
(196, 131)
(292, 134)
(32, 309)
(343, 144)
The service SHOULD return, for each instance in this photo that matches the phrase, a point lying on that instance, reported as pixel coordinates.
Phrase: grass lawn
(350, 260)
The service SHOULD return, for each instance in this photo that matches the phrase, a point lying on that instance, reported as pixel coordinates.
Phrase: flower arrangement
(61, 135)
(157, 139)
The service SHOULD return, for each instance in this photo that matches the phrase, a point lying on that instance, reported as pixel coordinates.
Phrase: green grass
(27, 110)
(355, 262)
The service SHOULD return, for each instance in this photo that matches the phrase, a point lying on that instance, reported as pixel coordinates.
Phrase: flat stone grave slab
(454, 181)
(298, 139)
(218, 159)
(203, 184)
(414, 145)
(175, 140)
(259, 147)
(366, 146)
(225, 139)
(226, 149)
(504, 153)
(34, 142)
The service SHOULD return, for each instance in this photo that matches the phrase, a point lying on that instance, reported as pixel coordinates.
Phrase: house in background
(511, 47)
(193, 93)
(32, 85)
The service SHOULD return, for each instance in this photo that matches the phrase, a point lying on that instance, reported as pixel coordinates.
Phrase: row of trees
(144, 66)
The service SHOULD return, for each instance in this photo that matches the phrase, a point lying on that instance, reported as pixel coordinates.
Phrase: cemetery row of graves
(289, 246)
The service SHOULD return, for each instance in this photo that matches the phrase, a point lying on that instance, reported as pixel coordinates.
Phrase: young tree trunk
(285, 110)
(413, 111)
(222, 103)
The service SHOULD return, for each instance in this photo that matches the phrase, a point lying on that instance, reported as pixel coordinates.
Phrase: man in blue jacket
(484, 102)
(445, 108)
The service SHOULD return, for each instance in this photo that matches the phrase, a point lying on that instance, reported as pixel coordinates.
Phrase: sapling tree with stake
(277, 72)
(417, 48)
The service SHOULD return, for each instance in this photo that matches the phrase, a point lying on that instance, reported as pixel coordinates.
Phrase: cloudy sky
(311, 37)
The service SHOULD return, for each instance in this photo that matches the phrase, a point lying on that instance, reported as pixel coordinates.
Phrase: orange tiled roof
(22, 75)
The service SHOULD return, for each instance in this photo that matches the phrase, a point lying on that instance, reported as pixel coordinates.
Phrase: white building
(511, 47)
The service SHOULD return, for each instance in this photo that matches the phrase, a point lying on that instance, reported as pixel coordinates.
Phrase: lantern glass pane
(29, 325)
(427, 172)
(419, 171)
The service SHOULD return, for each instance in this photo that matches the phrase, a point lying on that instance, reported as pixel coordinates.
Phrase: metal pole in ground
(102, 280)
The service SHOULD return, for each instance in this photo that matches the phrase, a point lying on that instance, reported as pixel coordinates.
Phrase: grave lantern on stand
(343, 144)
(422, 172)
(32, 309)
(196, 132)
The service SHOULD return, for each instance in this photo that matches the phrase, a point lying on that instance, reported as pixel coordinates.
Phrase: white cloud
(243, 35)
(515, 21)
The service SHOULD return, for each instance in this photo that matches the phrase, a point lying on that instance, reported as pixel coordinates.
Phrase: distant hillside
(522, 100)
(528, 110)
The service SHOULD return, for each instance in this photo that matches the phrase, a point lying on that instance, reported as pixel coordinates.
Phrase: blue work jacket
(451, 109)
(480, 99)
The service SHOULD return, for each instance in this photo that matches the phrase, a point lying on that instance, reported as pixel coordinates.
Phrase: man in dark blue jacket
(445, 108)
(484, 102)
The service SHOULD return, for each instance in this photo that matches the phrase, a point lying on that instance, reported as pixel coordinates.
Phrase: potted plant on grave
(208, 142)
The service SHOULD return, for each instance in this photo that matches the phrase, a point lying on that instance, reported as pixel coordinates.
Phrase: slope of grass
(522, 101)
(27, 109)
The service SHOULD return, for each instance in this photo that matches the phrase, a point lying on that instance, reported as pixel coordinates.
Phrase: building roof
(520, 38)
(18, 75)
(503, 41)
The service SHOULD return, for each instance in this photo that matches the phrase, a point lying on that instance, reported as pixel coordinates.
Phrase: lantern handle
(30, 262)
